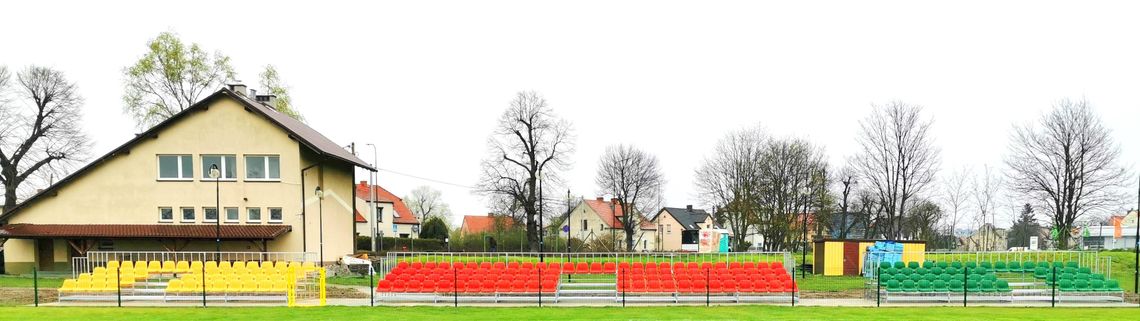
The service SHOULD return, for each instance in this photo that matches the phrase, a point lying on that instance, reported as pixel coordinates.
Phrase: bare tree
(729, 181)
(1067, 163)
(40, 132)
(531, 143)
(426, 202)
(635, 179)
(956, 197)
(847, 180)
(923, 220)
(897, 159)
(793, 174)
(985, 190)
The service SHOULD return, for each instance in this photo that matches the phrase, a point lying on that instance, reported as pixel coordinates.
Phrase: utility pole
(1136, 248)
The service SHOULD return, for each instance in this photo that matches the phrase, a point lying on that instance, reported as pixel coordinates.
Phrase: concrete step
(563, 292)
(585, 285)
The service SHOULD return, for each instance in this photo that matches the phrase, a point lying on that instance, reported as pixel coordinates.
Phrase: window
(232, 214)
(165, 214)
(209, 214)
(668, 228)
(188, 214)
(275, 214)
(602, 226)
(584, 223)
(227, 164)
(379, 214)
(254, 215)
(263, 167)
(175, 167)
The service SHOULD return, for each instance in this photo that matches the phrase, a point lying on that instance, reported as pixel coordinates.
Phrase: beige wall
(670, 240)
(125, 189)
(385, 220)
(594, 229)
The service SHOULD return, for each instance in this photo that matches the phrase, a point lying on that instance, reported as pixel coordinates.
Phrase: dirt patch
(848, 294)
(334, 292)
(23, 296)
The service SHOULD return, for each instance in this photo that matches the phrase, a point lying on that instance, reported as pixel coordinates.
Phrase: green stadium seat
(900, 265)
(927, 264)
(1040, 272)
(971, 265)
(1014, 266)
(956, 286)
(1070, 270)
(906, 271)
(1072, 264)
(1096, 285)
(921, 271)
(1081, 285)
(938, 286)
(930, 277)
(913, 265)
(894, 286)
(1058, 264)
(924, 286)
(1001, 286)
(986, 286)
(986, 264)
(1084, 270)
(952, 271)
(908, 286)
(956, 265)
(973, 286)
(1096, 276)
(1000, 267)
(937, 270)
(1111, 285)
(943, 265)
(1028, 266)
(884, 265)
(1065, 285)
(944, 277)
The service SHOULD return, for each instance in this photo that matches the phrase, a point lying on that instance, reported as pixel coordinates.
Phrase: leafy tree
(271, 81)
(40, 131)
(1023, 228)
(434, 228)
(170, 77)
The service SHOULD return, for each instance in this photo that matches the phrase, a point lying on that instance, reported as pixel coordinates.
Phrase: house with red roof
(393, 217)
(601, 218)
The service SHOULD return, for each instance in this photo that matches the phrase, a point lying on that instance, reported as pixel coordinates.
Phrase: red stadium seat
(582, 267)
(749, 265)
(513, 265)
(777, 266)
(638, 266)
(528, 265)
(568, 267)
(596, 267)
(692, 266)
(734, 265)
(429, 265)
(609, 267)
(417, 265)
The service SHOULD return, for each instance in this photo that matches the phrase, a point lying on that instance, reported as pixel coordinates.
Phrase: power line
(425, 178)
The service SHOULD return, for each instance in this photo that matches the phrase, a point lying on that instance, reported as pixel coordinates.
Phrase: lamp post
(372, 197)
(216, 175)
(541, 229)
(321, 222)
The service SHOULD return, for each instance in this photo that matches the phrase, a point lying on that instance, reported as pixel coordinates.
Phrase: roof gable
(688, 218)
(610, 217)
(300, 132)
(402, 215)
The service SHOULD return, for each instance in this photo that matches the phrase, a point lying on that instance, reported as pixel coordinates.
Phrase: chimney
(252, 92)
(365, 183)
(689, 208)
(238, 88)
(268, 100)
(614, 200)
(601, 199)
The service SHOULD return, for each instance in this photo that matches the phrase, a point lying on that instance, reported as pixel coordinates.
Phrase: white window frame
(221, 169)
(162, 220)
(182, 215)
(179, 157)
(270, 219)
(236, 209)
(251, 220)
(265, 163)
(206, 219)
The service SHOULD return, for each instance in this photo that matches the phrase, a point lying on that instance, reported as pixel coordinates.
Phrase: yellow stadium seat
(168, 267)
(112, 265)
(154, 267)
(181, 267)
(239, 265)
(211, 266)
(195, 267)
(233, 286)
(249, 286)
(128, 265)
(225, 265)
(141, 273)
(82, 285)
(85, 276)
(174, 286)
(280, 285)
(99, 270)
(216, 286)
(295, 265)
(68, 286)
(308, 267)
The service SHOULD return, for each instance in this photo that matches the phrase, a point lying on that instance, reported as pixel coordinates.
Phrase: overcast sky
(427, 80)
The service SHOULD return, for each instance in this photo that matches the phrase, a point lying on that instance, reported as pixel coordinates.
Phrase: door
(851, 258)
(45, 254)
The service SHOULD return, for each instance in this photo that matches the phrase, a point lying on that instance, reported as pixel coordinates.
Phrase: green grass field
(566, 313)
(23, 281)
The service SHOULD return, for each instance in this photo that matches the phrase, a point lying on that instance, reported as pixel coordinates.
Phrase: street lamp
(321, 221)
(372, 197)
(216, 175)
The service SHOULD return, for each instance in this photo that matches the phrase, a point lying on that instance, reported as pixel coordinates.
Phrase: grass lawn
(350, 280)
(1123, 268)
(565, 313)
(21, 281)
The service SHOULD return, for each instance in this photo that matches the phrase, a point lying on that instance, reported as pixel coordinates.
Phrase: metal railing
(100, 258)
(393, 258)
